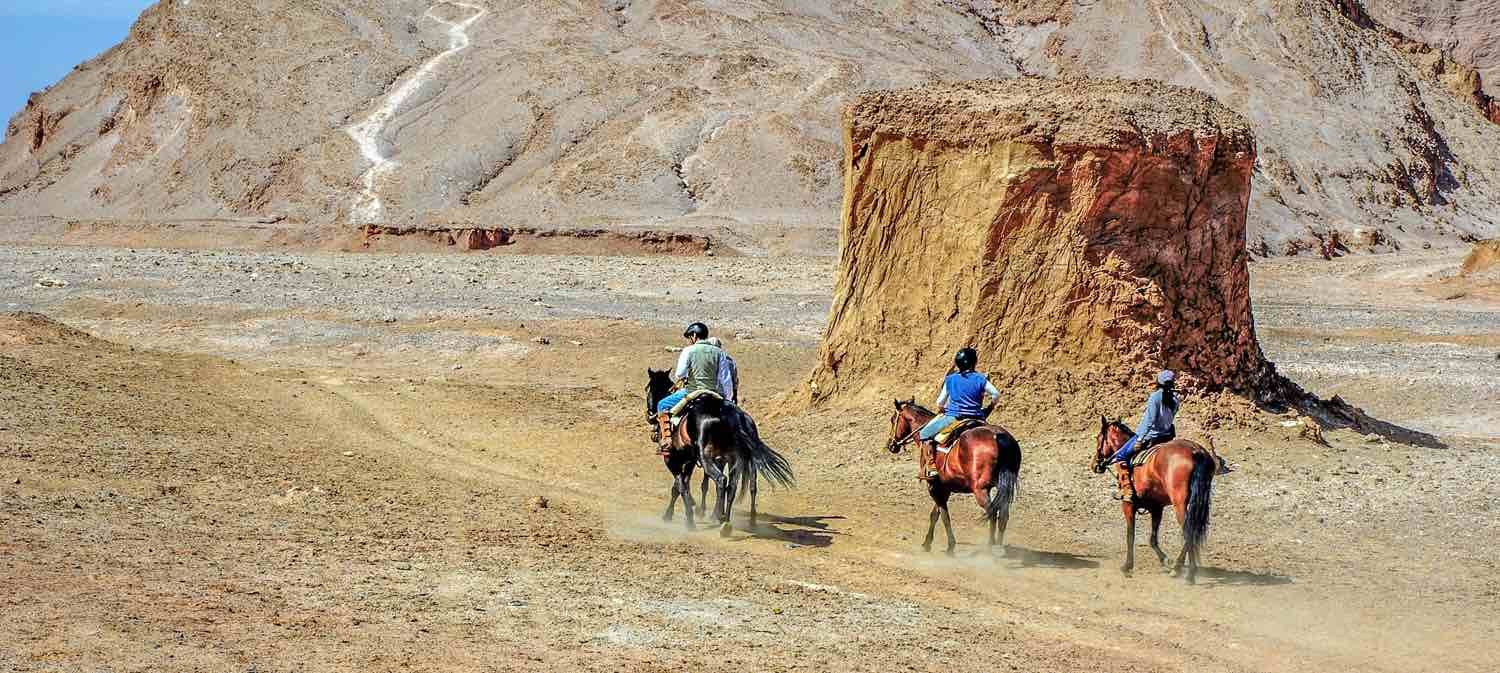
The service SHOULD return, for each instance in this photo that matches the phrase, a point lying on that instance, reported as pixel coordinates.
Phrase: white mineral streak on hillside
(367, 134)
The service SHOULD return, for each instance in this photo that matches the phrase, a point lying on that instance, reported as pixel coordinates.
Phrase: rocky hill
(719, 116)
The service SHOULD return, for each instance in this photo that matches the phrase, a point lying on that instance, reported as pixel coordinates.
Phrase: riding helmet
(697, 331)
(966, 359)
(1166, 378)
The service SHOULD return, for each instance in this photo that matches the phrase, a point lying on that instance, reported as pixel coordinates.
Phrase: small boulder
(542, 340)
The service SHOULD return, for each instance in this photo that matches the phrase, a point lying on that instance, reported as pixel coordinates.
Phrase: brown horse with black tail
(1181, 474)
(982, 458)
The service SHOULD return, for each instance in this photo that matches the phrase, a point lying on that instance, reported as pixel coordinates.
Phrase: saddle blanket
(1139, 458)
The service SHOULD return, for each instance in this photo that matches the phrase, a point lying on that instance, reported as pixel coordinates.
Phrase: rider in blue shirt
(1156, 427)
(1156, 424)
(961, 397)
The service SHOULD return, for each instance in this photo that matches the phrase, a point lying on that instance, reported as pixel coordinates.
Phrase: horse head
(1112, 436)
(905, 424)
(658, 386)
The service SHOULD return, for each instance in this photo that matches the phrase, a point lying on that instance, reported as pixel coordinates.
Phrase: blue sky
(41, 41)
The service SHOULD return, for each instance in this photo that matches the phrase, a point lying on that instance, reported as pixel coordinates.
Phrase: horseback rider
(699, 367)
(734, 371)
(961, 397)
(1156, 427)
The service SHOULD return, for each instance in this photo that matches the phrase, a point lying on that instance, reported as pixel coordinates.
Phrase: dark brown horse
(681, 460)
(984, 458)
(1179, 474)
(723, 440)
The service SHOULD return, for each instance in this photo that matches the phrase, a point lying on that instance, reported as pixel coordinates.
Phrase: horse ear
(897, 403)
(912, 401)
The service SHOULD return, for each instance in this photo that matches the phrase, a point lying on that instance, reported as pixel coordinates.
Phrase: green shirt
(698, 368)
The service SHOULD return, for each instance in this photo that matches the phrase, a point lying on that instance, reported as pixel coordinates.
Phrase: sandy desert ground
(268, 461)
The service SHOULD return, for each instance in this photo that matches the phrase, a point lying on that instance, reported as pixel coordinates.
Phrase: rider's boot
(1127, 484)
(664, 426)
(924, 465)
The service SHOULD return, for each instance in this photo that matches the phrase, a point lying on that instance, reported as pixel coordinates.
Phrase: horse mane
(1120, 425)
(918, 407)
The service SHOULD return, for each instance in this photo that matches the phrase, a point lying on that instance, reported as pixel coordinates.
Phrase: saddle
(1139, 458)
(689, 399)
(951, 433)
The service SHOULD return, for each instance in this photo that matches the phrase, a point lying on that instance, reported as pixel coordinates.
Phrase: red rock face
(1091, 236)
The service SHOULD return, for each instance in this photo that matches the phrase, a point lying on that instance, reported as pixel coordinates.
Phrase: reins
(907, 439)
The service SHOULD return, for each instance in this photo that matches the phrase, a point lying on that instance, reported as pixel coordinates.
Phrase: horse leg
(754, 486)
(726, 496)
(1179, 510)
(1129, 565)
(687, 496)
(672, 498)
(1001, 522)
(993, 525)
(932, 518)
(703, 494)
(948, 524)
(982, 496)
(1161, 557)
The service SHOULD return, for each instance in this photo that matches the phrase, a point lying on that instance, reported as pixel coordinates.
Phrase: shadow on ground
(808, 531)
(1219, 576)
(1038, 558)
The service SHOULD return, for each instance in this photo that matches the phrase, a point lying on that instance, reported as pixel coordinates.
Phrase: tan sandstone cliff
(1081, 234)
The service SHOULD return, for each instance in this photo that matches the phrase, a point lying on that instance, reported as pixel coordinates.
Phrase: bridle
(1097, 462)
(896, 444)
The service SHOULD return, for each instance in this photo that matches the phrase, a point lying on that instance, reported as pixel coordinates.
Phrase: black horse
(681, 460)
(723, 440)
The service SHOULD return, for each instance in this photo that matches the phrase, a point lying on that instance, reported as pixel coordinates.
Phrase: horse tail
(766, 461)
(1007, 474)
(1200, 494)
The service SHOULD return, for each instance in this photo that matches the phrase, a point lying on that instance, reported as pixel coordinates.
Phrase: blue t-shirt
(965, 394)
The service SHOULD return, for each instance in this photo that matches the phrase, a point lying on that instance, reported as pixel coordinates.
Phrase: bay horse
(1180, 474)
(722, 439)
(983, 458)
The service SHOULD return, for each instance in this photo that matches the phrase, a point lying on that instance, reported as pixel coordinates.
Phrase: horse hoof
(1192, 578)
(1126, 570)
(927, 547)
(949, 552)
(725, 530)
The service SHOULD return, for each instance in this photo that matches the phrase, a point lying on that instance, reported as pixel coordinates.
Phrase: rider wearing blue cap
(1155, 427)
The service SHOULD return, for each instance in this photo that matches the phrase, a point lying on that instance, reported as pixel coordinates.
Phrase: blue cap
(1166, 376)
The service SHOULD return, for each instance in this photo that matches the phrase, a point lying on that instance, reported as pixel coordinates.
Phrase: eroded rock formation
(1484, 257)
(1080, 233)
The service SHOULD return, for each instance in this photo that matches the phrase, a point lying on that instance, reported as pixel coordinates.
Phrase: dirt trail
(176, 511)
